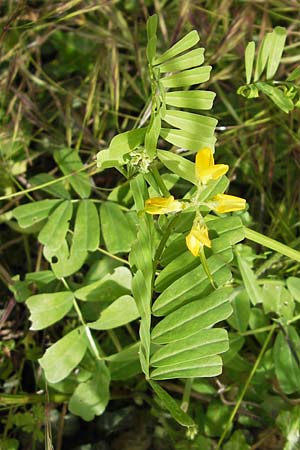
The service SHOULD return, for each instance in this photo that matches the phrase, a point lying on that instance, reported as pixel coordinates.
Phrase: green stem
(278, 247)
(245, 388)
(186, 394)
(206, 268)
(49, 183)
(24, 399)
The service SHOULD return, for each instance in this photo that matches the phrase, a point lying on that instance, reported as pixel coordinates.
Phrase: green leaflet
(188, 60)
(46, 309)
(191, 286)
(125, 363)
(90, 398)
(118, 232)
(181, 46)
(63, 356)
(187, 77)
(191, 122)
(203, 343)
(120, 312)
(276, 49)
(209, 366)
(32, 213)
(293, 285)
(249, 60)
(56, 189)
(69, 161)
(262, 57)
(251, 286)
(277, 96)
(190, 99)
(186, 140)
(194, 316)
(178, 165)
(171, 405)
(54, 231)
(286, 358)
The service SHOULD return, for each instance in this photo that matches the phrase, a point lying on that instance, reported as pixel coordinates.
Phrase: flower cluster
(205, 171)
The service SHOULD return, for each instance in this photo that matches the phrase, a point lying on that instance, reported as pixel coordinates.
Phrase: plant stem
(245, 388)
(186, 394)
(259, 238)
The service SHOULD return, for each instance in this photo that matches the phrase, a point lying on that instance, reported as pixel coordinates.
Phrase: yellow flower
(223, 203)
(161, 205)
(206, 169)
(197, 238)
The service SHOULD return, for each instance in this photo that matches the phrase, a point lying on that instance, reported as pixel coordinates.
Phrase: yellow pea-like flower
(162, 205)
(197, 239)
(223, 203)
(206, 169)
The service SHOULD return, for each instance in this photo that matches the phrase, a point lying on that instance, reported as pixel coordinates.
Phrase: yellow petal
(223, 203)
(197, 238)
(206, 169)
(161, 205)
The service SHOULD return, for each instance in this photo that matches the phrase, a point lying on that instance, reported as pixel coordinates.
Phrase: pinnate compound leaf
(46, 309)
(63, 356)
(52, 235)
(187, 61)
(171, 405)
(120, 312)
(91, 397)
(194, 316)
(69, 162)
(32, 213)
(181, 46)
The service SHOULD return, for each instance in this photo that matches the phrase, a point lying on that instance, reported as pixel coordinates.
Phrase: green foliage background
(73, 75)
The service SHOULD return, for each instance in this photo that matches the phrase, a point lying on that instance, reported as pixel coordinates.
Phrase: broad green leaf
(152, 136)
(194, 316)
(32, 213)
(178, 165)
(286, 358)
(69, 162)
(293, 285)
(231, 227)
(91, 397)
(209, 366)
(187, 77)
(188, 141)
(117, 231)
(63, 356)
(277, 96)
(249, 279)
(278, 300)
(108, 289)
(191, 286)
(188, 60)
(85, 238)
(171, 405)
(53, 233)
(190, 99)
(126, 142)
(184, 44)
(126, 363)
(276, 49)
(46, 309)
(56, 189)
(201, 344)
(249, 60)
(241, 312)
(41, 278)
(191, 122)
(106, 161)
(262, 56)
(120, 312)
